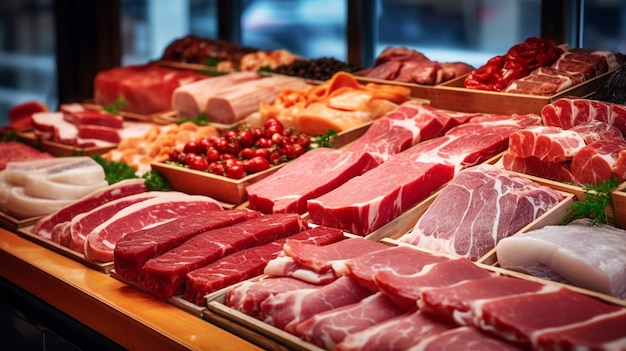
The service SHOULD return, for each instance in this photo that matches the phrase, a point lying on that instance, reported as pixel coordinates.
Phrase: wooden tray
(454, 96)
(157, 117)
(25, 232)
(13, 224)
(60, 149)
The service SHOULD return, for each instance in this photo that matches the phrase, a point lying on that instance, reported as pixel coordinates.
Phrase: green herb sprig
(116, 106)
(597, 204)
(117, 171)
(201, 119)
(325, 140)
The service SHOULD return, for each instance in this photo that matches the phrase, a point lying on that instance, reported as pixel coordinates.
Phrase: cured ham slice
(464, 338)
(565, 252)
(569, 112)
(548, 144)
(455, 302)
(397, 259)
(406, 126)
(480, 207)
(95, 118)
(596, 131)
(100, 243)
(395, 334)
(189, 100)
(330, 257)
(598, 162)
(605, 332)
(246, 297)
(83, 224)
(406, 288)
(560, 171)
(287, 309)
(164, 275)
(504, 316)
(285, 266)
(284, 190)
(44, 226)
(247, 263)
(134, 249)
(329, 328)
(230, 105)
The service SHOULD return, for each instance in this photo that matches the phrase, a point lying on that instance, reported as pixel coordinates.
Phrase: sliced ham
(597, 130)
(395, 334)
(247, 263)
(189, 100)
(96, 118)
(246, 297)
(406, 288)
(234, 103)
(569, 112)
(287, 309)
(284, 190)
(43, 227)
(548, 144)
(134, 249)
(164, 275)
(327, 329)
(100, 243)
(559, 171)
(481, 206)
(565, 252)
(464, 338)
(599, 161)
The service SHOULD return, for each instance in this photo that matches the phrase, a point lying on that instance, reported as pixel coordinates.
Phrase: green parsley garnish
(116, 106)
(324, 140)
(597, 204)
(201, 119)
(117, 171)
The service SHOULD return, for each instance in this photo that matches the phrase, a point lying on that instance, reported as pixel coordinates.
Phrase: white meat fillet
(593, 258)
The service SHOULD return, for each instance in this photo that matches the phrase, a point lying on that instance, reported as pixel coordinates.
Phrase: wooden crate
(453, 96)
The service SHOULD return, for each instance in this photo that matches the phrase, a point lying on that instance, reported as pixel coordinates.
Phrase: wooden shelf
(132, 319)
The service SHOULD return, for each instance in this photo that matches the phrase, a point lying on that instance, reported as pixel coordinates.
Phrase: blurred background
(445, 30)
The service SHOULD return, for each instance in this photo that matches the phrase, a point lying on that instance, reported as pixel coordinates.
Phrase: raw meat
(285, 266)
(324, 169)
(134, 249)
(164, 275)
(44, 226)
(84, 223)
(146, 88)
(560, 171)
(14, 151)
(406, 126)
(247, 263)
(331, 257)
(605, 332)
(329, 328)
(569, 112)
(19, 205)
(100, 243)
(234, 103)
(480, 207)
(455, 302)
(287, 309)
(565, 252)
(590, 64)
(519, 318)
(189, 100)
(464, 338)
(596, 131)
(395, 334)
(73, 170)
(545, 81)
(597, 162)
(548, 144)
(398, 259)
(405, 289)
(96, 118)
(247, 296)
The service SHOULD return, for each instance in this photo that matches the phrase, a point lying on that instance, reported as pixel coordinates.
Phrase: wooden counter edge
(131, 318)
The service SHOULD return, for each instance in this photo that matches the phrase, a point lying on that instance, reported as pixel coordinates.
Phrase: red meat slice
(285, 192)
(15, 151)
(455, 302)
(405, 126)
(286, 310)
(398, 259)
(44, 226)
(20, 115)
(597, 333)
(96, 117)
(329, 328)
(406, 289)
(247, 297)
(133, 250)
(325, 258)
(395, 334)
(597, 162)
(247, 263)
(560, 172)
(548, 144)
(569, 112)
(519, 318)
(164, 275)
(465, 338)
(100, 243)
(597, 130)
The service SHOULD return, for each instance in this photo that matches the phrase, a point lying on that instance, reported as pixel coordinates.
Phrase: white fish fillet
(593, 258)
